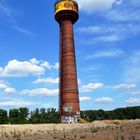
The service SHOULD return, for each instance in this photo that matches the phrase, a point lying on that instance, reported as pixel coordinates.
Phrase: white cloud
(5, 11)
(34, 61)
(50, 80)
(79, 81)
(16, 104)
(6, 88)
(123, 13)
(90, 87)
(108, 38)
(106, 53)
(2, 85)
(47, 65)
(133, 101)
(93, 67)
(9, 90)
(17, 68)
(22, 30)
(125, 86)
(132, 74)
(113, 29)
(34, 67)
(41, 92)
(56, 65)
(47, 80)
(135, 93)
(90, 29)
(104, 100)
(90, 6)
(103, 38)
(126, 21)
(101, 29)
(122, 16)
(85, 99)
(114, 33)
(132, 68)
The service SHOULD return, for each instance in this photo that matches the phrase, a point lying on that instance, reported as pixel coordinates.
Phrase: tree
(52, 116)
(14, 116)
(43, 115)
(100, 114)
(23, 117)
(120, 113)
(35, 116)
(19, 116)
(3, 117)
(89, 115)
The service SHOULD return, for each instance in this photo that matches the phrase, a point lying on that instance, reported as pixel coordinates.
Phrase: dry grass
(98, 130)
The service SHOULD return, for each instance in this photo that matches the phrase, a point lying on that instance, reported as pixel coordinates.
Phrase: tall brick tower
(66, 14)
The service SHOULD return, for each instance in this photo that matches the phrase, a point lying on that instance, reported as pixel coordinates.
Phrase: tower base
(70, 119)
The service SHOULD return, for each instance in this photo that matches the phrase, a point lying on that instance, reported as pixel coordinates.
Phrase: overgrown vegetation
(23, 116)
(120, 114)
(51, 115)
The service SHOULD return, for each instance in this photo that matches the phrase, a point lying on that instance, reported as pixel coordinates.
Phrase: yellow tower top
(66, 5)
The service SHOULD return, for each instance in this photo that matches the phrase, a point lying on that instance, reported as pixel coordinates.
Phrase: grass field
(98, 130)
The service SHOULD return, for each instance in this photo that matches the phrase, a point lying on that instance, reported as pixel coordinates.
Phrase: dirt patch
(97, 130)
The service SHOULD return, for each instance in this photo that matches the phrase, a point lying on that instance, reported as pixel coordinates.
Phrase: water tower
(66, 14)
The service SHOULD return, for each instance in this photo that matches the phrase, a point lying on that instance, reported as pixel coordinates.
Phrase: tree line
(119, 113)
(24, 116)
(51, 115)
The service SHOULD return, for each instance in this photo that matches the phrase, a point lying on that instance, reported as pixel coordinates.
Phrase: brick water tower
(66, 14)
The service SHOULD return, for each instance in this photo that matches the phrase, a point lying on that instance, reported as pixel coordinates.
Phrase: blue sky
(107, 48)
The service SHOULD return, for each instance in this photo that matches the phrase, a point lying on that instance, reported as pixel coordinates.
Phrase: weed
(94, 130)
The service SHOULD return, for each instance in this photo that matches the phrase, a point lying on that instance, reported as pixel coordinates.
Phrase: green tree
(52, 116)
(14, 116)
(3, 117)
(35, 116)
(89, 115)
(43, 115)
(23, 117)
(120, 113)
(100, 114)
